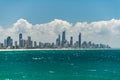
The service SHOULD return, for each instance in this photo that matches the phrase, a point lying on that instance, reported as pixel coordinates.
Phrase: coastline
(36, 49)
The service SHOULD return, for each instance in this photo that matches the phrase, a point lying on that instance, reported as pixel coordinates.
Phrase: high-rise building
(84, 44)
(41, 45)
(29, 42)
(35, 44)
(5, 43)
(21, 41)
(9, 41)
(1, 45)
(71, 41)
(58, 41)
(53, 45)
(79, 40)
(25, 43)
(63, 38)
(16, 45)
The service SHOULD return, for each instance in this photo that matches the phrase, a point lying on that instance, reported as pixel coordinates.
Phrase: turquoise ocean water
(60, 65)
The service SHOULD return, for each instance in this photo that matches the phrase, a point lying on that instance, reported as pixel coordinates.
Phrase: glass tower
(79, 40)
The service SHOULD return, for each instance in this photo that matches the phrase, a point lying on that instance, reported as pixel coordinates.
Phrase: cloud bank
(107, 32)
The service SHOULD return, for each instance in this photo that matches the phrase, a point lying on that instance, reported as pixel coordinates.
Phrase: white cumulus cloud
(107, 32)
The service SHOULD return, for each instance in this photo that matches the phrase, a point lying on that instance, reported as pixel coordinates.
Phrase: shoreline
(59, 49)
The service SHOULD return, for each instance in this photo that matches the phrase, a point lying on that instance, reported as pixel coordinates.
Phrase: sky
(102, 16)
(42, 11)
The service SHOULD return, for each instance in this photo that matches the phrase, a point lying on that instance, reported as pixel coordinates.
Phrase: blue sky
(42, 11)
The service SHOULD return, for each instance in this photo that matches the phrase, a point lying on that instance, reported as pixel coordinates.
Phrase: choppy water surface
(60, 65)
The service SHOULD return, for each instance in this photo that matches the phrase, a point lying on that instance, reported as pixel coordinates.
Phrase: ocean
(60, 65)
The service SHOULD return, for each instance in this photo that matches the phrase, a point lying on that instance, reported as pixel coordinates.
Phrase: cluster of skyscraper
(60, 43)
(78, 44)
(65, 44)
(8, 43)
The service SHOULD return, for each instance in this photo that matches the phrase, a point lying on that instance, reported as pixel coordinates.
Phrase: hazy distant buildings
(1, 45)
(84, 44)
(29, 42)
(71, 41)
(76, 44)
(60, 43)
(21, 41)
(16, 45)
(35, 44)
(41, 45)
(5, 43)
(8, 43)
(63, 39)
(79, 40)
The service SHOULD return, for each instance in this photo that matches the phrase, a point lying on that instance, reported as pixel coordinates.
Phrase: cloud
(107, 32)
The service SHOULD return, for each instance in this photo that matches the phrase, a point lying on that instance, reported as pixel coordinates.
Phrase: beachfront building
(63, 39)
(29, 42)
(21, 41)
(58, 43)
(8, 43)
(79, 40)
(71, 41)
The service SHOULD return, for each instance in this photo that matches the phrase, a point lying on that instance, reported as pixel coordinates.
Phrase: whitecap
(92, 70)
(72, 64)
(51, 72)
(8, 79)
(38, 58)
(24, 77)
(105, 70)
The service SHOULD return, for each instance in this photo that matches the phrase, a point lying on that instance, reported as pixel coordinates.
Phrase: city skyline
(61, 42)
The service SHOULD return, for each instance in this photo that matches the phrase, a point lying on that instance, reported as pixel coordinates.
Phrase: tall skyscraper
(20, 40)
(79, 40)
(5, 43)
(71, 41)
(63, 38)
(20, 36)
(59, 43)
(41, 45)
(29, 42)
(35, 44)
(9, 41)
(16, 45)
